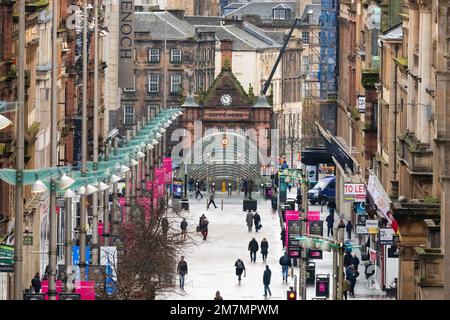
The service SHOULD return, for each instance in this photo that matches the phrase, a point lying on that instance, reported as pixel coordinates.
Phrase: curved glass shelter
(224, 155)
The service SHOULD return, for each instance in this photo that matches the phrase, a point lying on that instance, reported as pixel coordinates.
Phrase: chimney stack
(226, 49)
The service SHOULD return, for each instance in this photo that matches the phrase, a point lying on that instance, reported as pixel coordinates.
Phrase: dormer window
(281, 12)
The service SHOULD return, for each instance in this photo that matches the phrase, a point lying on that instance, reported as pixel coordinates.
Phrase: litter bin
(323, 285)
(310, 273)
(185, 204)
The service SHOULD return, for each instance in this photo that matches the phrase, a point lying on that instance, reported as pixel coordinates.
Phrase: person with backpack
(249, 220)
(266, 281)
(183, 227)
(240, 268)
(253, 247)
(264, 248)
(257, 221)
(285, 263)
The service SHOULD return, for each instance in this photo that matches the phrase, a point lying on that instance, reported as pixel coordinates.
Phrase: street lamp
(114, 179)
(65, 181)
(38, 187)
(90, 189)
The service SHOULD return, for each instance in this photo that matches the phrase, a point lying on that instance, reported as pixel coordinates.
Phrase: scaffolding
(319, 104)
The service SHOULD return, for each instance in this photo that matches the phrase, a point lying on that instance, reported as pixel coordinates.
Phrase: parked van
(324, 190)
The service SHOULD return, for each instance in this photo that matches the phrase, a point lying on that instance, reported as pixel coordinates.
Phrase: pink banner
(290, 215)
(159, 175)
(85, 288)
(122, 206)
(312, 216)
(167, 165)
(100, 228)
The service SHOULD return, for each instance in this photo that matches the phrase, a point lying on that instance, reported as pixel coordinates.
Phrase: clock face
(226, 99)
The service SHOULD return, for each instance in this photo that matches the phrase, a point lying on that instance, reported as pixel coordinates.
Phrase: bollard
(222, 204)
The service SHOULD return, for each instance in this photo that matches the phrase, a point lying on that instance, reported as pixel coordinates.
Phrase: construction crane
(280, 56)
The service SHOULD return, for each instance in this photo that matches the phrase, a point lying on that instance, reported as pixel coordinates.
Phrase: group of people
(253, 219)
(253, 247)
(351, 264)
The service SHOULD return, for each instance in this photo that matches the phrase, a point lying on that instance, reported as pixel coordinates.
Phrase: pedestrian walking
(266, 281)
(240, 268)
(349, 229)
(355, 261)
(204, 228)
(197, 191)
(182, 271)
(285, 263)
(211, 200)
(345, 287)
(351, 276)
(183, 227)
(257, 221)
(36, 283)
(253, 247)
(283, 236)
(347, 259)
(264, 248)
(249, 220)
(330, 223)
(164, 226)
(331, 206)
(218, 296)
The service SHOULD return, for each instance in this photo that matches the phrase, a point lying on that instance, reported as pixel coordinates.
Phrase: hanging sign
(126, 44)
(355, 192)
(386, 236)
(361, 101)
(372, 226)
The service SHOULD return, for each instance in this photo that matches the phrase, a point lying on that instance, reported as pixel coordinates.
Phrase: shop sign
(386, 236)
(372, 226)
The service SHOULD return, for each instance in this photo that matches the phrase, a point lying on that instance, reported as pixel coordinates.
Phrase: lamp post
(68, 195)
(83, 213)
(20, 137)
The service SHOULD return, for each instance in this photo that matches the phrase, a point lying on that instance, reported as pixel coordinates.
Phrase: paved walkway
(211, 262)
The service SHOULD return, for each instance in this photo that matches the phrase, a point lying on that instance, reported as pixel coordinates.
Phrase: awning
(338, 151)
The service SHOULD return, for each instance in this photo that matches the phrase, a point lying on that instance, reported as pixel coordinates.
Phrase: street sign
(386, 236)
(355, 192)
(316, 228)
(372, 226)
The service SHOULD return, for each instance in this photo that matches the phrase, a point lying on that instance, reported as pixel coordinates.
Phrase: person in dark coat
(253, 247)
(182, 271)
(36, 283)
(240, 268)
(257, 221)
(283, 236)
(183, 227)
(331, 206)
(330, 223)
(203, 217)
(349, 229)
(204, 228)
(351, 275)
(249, 220)
(347, 259)
(285, 263)
(197, 191)
(264, 248)
(355, 261)
(218, 296)
(266, 280)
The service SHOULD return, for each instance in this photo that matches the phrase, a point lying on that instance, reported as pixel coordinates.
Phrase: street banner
(379, 196)
(312, 216)
(386, 236)
(355, 192)
(372, 226)
(126, 44)
(85, 288)
(290, 215)
(167, 165)
(159, 175)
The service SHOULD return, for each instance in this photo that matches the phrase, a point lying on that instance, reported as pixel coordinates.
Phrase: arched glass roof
(224, 155)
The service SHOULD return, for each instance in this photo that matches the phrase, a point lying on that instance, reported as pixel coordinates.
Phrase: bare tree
(146, 263)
